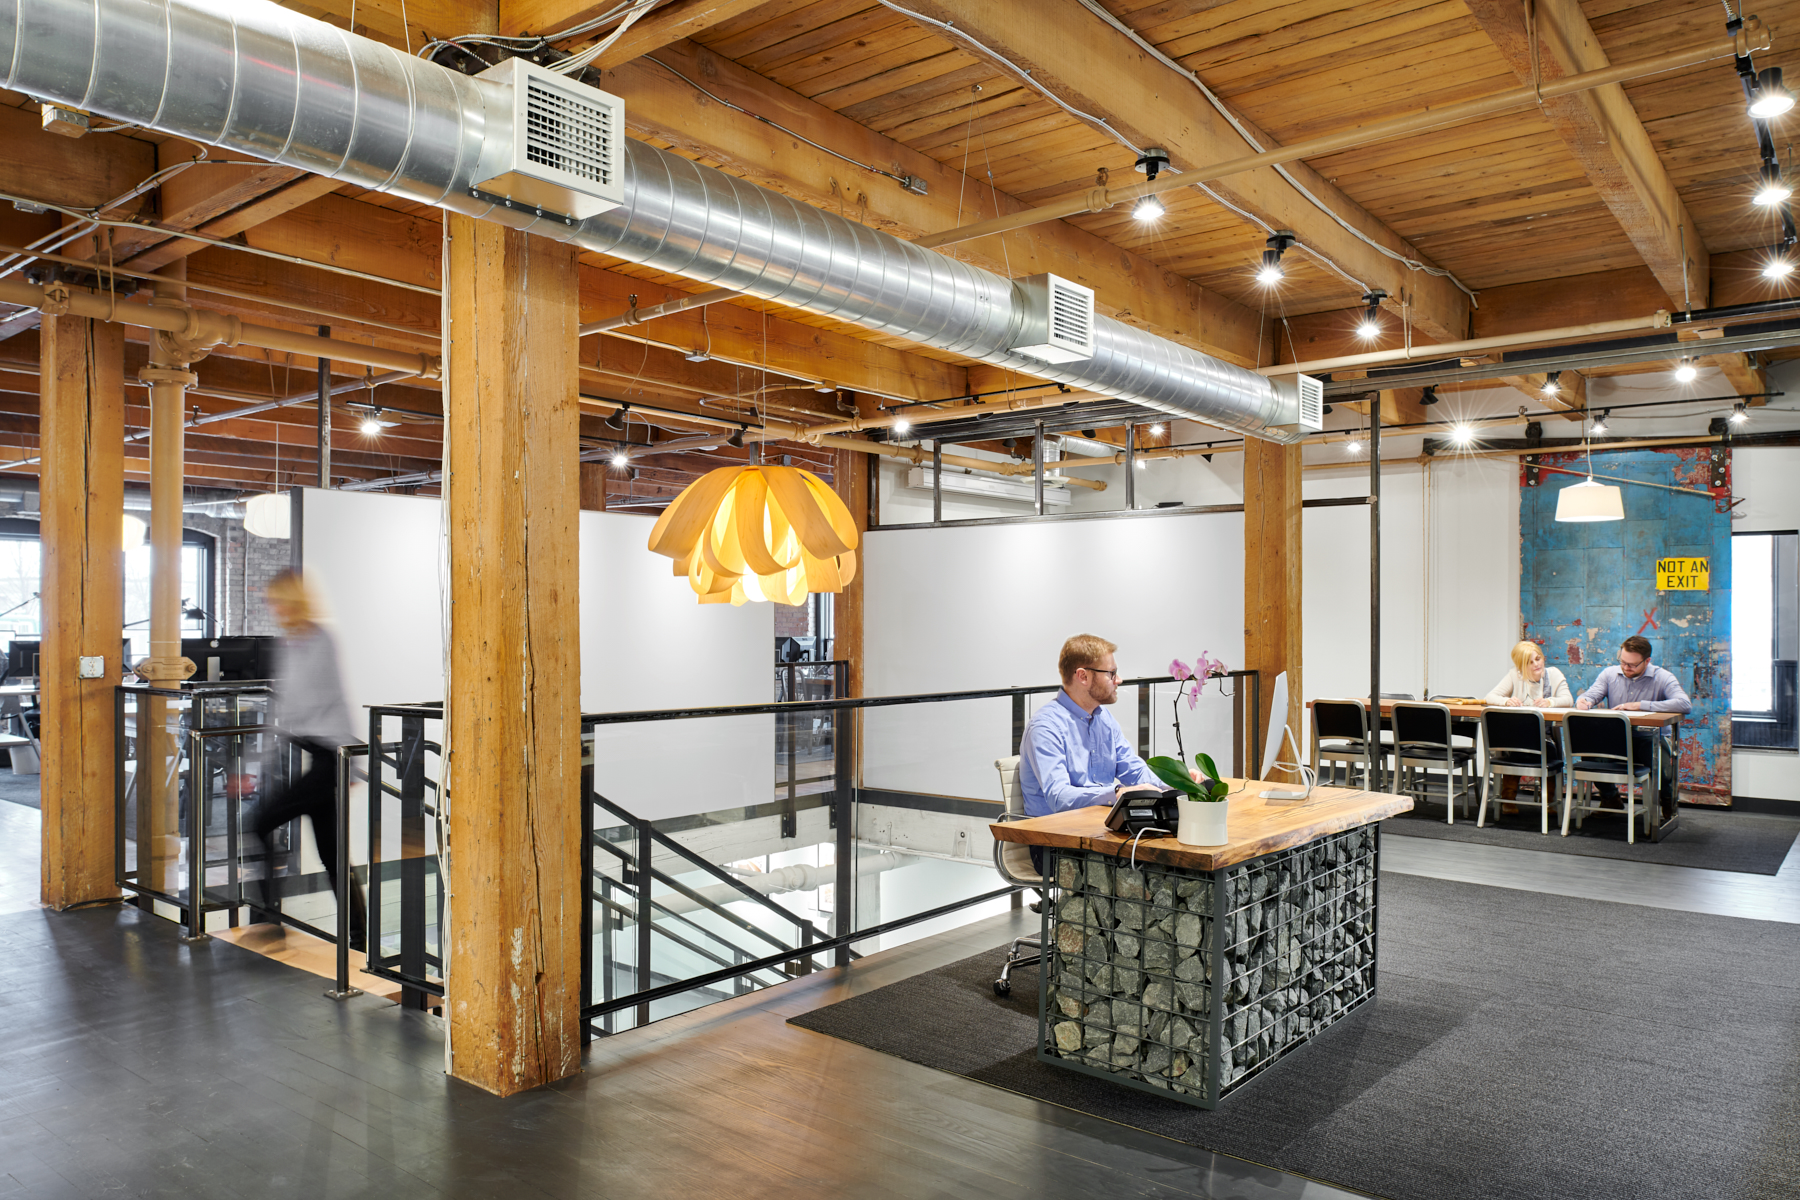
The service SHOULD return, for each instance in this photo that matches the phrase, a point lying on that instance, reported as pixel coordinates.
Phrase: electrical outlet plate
(91, 667)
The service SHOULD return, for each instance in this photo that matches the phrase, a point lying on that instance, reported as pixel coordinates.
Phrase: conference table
(1189, 970)
(1466, 712)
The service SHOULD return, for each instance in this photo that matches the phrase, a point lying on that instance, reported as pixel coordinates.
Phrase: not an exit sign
(1682, 574)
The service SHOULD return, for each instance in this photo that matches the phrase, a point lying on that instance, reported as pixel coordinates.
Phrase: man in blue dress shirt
(1073, 753)
(1636, 684)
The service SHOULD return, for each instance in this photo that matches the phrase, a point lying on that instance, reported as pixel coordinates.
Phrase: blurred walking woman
(1530, 683)
(313, 714)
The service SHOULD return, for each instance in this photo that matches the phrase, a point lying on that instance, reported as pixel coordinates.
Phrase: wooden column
(513, 694)
(851, 473)
(82, 422)
(593, 487)
(1272, 578)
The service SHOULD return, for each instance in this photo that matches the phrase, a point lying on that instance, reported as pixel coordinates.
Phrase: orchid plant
(1191, 681)
(1210, 787)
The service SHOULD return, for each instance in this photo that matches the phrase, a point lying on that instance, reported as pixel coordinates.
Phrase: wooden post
(593, 487)
(1272, 577)
(158, 745)
(851, 480)
(82, 421)
(513, 695)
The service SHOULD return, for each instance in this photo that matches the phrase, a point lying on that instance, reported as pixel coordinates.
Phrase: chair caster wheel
(1002, 988)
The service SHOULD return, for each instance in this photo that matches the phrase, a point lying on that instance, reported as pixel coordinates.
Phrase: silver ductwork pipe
(267, 82)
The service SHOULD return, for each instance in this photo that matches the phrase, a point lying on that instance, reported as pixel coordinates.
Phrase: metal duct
(267, 82)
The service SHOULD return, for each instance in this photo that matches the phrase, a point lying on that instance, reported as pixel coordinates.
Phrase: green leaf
(1205, 763)
(1172, 773)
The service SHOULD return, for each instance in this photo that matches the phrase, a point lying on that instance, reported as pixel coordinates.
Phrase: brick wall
(242, 567)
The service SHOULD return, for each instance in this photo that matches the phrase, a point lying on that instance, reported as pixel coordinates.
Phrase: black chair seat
(1458, 754)
(1608, 766)
(1516, 758)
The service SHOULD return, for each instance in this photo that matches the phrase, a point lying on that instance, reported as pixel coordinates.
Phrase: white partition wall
(377, 560)
(959, 609)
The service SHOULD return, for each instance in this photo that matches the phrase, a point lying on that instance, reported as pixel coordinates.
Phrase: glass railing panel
(1216, 722)
(400, 841)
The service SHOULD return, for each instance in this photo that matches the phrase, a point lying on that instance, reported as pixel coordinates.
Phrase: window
(21, 615)
(196, 591)
(1765, 639)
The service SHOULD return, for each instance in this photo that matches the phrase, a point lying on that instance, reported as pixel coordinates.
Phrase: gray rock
(1127, 982)
(1068, 1005)
(1195, 997)
(1102, 909)
(1159, 956)
(1072, 908)
(1162, 896)
(1191, 969)
(1159, 995)
(1070, 939)
(1128, 884)
(1100, 876)
(1126, 947)
(1100, 1014)
(1068, 1036)
(1128, 1017)
(1068, 873)
(1130, 914)
(1156, 1060)
(1188, 929)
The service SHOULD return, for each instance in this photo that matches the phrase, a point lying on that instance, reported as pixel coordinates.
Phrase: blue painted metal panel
(1584, 588)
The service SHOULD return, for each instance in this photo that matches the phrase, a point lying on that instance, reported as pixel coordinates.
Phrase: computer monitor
(1279, 731)
(22, 658)
(230, 659)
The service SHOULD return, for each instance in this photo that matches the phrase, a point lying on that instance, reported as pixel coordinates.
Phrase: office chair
(1599, 750)
(1515, 747)
(1013, 861)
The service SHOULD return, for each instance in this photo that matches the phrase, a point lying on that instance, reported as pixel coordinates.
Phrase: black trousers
(313, 795)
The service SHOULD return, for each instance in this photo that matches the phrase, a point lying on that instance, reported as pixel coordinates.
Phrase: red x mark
(1649, 621)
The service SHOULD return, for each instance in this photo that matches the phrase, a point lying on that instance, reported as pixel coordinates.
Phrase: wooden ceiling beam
(1127, 286)
(1098, 70)
(1570, 397)
(670, 23)
(1603, 131)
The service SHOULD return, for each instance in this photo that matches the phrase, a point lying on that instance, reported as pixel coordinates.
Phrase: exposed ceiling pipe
(268, 82)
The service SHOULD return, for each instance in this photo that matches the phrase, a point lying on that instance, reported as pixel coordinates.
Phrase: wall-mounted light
(1769, 98)
(1148, 208)
(1271, 271)
(1370, 328)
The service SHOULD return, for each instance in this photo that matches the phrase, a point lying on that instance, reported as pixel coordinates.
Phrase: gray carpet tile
(1750, 843)
(20, 789)
(1520, 1046)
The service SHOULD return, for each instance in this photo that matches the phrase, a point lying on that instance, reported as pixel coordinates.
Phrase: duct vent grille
(1302, 401)
(568, 134)
(1059, 319)
(563, 155)
(1312, 402)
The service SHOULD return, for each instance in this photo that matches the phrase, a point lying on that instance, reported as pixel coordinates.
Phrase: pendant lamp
(268, 515)
(1590, 501)
(758, 533)
(131, 532)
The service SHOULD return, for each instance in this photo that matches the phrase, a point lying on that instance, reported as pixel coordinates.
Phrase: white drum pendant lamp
(268, 515)
(131, 533)
(1590, 501)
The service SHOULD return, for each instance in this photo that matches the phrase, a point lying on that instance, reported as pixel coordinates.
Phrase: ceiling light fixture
(131, 532)
(1152, 161)
(619, 458)
(1768, 98)
(758, 532)
(371, 427)
(1588, 500)
(1778, 267)
(737, 437)
(1271, 271)
(1149, 208)
(1156, 430)
(1429, 396)
(1686, 372)
(1773, 189)
(901, 425)
(1461, 434)
(1553, 383)
(268, 515)
(1600, 424)
(1739, 415)
(1370, 329)
(1353, 446)
(1141, 464)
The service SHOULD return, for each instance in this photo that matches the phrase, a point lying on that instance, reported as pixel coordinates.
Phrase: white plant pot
(1202, 823)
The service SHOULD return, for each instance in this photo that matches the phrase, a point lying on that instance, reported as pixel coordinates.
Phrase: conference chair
(1423, 742)
(1515, 746)
(1340, 734)
(1598, 748)
(1013, 861)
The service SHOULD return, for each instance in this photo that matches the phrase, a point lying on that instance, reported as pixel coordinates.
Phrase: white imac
(1272, 750)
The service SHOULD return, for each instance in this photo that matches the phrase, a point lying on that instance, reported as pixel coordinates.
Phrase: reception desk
(1187, 970)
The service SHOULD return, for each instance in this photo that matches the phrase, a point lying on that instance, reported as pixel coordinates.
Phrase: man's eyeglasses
(1631, 664)
(1098, 671)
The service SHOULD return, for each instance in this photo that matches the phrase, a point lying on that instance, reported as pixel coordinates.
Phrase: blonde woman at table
(1530, 684)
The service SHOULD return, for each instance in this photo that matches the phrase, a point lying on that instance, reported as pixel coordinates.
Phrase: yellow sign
(1682, 574)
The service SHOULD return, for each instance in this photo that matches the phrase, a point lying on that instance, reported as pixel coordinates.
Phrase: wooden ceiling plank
(1607, 138)
(1099, 71)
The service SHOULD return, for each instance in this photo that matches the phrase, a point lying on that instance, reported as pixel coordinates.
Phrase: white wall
(985, 607)
(645, 644)
(1768, 479)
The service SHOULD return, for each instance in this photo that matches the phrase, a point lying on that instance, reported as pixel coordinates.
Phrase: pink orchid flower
(1179, 669)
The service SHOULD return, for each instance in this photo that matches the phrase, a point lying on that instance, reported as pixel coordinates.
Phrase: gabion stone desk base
(1191, 983)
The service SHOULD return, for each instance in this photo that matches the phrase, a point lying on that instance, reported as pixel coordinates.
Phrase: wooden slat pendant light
(758, 533)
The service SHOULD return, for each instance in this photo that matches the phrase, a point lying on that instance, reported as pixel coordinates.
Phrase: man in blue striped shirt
(1073, 753)
(1638, 684)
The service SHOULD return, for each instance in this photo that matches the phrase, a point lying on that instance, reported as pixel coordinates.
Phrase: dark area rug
(20, 789)
(1520, 1046)
(1750, 843)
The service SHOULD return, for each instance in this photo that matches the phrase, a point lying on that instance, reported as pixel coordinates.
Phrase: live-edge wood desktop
(1189, 970)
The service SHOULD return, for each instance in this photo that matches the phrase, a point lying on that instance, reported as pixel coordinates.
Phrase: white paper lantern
(267, 516)
(132, 533)
(1590, 501)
